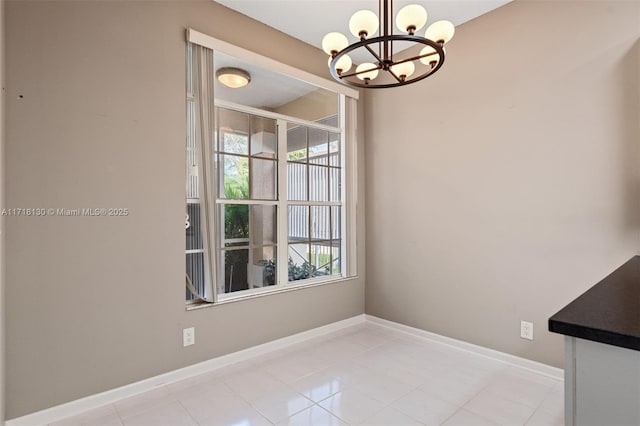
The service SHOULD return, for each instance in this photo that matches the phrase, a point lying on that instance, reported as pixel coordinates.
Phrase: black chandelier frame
(384, 57)
(386, 64)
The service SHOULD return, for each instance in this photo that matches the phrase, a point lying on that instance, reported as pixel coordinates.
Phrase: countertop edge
(594, 314)
(595, 335)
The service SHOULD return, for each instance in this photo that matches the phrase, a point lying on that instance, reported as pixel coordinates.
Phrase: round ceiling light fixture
(234, 78)
(388, 68)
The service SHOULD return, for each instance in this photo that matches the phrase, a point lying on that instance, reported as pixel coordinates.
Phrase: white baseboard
(59, 412)
(547, 370)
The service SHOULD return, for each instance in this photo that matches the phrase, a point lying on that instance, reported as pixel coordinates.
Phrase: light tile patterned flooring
(362, 375)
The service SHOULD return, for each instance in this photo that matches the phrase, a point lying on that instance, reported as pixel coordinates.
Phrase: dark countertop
(609, 312)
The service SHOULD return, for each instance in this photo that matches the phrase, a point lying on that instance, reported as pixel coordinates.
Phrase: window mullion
(219, 234)
(349, 192)
(251, 191)
(283, 209)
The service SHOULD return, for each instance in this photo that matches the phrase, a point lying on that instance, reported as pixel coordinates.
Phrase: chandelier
(393, 59)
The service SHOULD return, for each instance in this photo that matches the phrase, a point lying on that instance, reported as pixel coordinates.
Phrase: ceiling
(310, 20)
(260, 92)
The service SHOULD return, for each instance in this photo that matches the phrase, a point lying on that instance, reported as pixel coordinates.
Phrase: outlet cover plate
(526, 330)
(188, 336)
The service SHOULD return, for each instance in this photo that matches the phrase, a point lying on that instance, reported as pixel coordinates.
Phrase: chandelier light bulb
(403, 70)
(411, 18)
(363, 24)
(440, 31)
(431, 58)
(373, 73)
(334, 42)
(343, 64)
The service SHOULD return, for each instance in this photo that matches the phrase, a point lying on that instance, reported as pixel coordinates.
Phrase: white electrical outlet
(526, 330)
(188, 336)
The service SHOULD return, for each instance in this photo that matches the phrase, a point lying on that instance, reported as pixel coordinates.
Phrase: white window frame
(348, 128)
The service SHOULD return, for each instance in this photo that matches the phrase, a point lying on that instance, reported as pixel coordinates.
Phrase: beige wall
(504, 186)
(97, 303)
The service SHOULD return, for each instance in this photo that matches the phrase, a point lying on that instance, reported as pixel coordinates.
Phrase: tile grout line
(188, 412)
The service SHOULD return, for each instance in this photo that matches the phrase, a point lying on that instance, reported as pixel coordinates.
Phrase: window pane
(296, 182)
(298, 264)
(234, 179)
(297, 144)
(298, 223)
(320, 259)
(248, 268)
(234, 143)
(263, 179)
(234, 131)
(262, 270)
(236, 224)
(235, 270)
(249, 225)
(263, 137)
(318, 146)
(320, 223)
(263, 225)
(318, 183)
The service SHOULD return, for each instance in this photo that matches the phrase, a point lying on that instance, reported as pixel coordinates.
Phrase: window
(314, 195)
(268, 205)
(246, 159)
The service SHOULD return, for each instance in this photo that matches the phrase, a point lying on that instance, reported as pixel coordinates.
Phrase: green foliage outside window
(236, 225)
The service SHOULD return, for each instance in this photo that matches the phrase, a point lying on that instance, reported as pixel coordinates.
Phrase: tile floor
(362, 375)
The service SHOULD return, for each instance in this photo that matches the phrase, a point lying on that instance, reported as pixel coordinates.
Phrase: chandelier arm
(360, 72)
(373, 53)
(425, 55)
(415, 58)
(395, 76)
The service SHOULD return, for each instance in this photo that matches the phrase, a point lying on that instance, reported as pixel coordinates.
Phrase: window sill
(267, 292)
